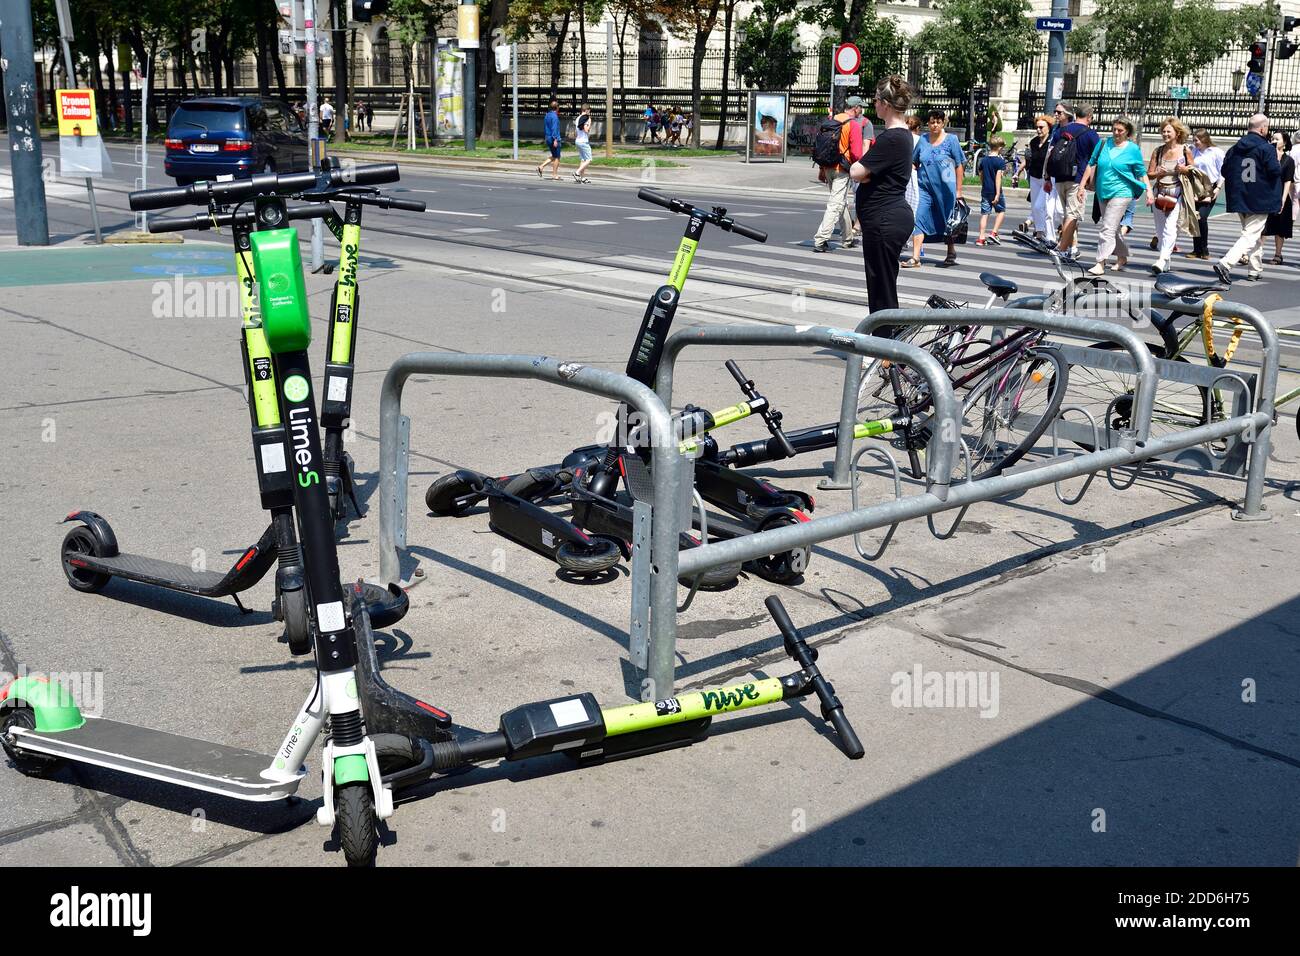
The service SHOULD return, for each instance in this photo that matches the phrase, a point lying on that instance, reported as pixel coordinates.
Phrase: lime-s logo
(300, 425)
(296, 388)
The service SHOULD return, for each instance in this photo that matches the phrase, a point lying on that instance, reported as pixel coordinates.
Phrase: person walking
(913, 193)
(1279, 223)
(867, 131)
(1252, 182)
(651, 117)
(1295, 183)
(1040, 197)
(1118, 173)
(551, 134)
(1072, 144)
(1208, 158)
(940, 165)
(993, 170)
(326, 117)
(837, 147)
(882, 176)
(1171, 159)
(583, 141)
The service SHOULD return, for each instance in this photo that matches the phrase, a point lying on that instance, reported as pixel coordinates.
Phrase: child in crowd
(992, 170)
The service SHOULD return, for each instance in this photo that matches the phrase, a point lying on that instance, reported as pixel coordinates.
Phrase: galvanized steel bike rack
(394, 449)
(1250, 425)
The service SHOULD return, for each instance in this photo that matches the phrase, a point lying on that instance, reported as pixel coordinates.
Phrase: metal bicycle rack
(657, 564)
(1246, 433)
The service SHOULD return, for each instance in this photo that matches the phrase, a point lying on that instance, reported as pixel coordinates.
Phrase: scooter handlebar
(203, 220)
(758, 235)
(263, 184)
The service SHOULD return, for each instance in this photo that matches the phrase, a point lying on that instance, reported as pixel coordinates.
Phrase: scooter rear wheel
(587, 561)
(81, 540)
(354, 823)
(29, 764)
(444, 492)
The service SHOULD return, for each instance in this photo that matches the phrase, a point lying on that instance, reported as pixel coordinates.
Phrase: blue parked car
(235, 136)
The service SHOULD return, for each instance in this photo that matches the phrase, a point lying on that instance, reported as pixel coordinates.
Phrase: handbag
(1166, 203)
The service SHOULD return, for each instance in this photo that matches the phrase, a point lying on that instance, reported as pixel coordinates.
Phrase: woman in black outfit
(883, 174)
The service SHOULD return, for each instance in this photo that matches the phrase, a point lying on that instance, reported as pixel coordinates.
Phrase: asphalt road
(604, 224)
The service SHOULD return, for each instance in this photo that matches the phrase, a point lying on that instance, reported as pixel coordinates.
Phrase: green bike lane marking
(63, 265)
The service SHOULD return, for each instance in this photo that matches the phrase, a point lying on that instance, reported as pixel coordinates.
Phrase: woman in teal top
(1121, 176)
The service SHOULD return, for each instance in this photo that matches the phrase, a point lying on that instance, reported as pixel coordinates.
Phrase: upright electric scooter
(377, 739)
(91, 556)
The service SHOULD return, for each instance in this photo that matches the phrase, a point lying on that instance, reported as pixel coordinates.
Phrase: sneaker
(820, 247)
(849, 243)
(1255, 276)
(1223, 273)
(994, 240)
(979, 242)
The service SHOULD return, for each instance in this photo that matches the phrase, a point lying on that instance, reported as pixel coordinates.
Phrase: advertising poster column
(765, 142)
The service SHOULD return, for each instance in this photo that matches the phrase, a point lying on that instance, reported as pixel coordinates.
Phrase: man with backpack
(837, 147)
(1067, 161)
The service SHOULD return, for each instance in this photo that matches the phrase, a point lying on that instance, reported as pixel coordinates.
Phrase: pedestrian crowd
(1065, 160)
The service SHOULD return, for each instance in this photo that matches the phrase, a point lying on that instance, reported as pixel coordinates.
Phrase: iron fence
(1218, 95)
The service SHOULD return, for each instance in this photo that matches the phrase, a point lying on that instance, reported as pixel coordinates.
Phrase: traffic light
(364, 10)
(1258, 51)
(1285, 47)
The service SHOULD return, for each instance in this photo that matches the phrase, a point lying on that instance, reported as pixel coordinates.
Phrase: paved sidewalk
(1137, 654)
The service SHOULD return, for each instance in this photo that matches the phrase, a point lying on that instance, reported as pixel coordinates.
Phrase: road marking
(644, 218)
(538, 225)
(595, 222)
(602, 205)
(475, 229)
(453, 212)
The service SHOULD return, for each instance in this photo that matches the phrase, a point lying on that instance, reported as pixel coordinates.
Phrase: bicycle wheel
(1005, 415)
(876, 394)
(1108, 397)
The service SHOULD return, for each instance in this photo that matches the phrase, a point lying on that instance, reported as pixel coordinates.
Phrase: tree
(1162, 38)
(728, 11)
(498, 10)
(843, 20)
(769, 57)
(532, 17)
(974, 40)
(694, 18)
(626, 13)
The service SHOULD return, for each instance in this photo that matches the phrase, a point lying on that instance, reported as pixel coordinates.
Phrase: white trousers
(1249, 243)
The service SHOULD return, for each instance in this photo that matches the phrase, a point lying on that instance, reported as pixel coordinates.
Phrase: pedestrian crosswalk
(841, 272)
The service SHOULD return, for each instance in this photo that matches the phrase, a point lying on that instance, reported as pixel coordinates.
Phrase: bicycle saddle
(998, 285)
(1176, 287)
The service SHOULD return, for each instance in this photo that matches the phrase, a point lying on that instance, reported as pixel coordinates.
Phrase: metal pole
(1268, 68)
(514, 96)
(1055, 58)
(313, 123)
(609, 90)
(471, 85)
(31, 221)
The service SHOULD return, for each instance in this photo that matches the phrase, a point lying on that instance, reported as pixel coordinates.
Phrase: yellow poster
(76, 109)
(467, 26)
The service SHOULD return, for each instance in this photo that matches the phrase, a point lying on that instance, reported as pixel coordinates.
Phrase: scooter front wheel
(297, 625)
(354, 823)
(81, 541)
(787, 567)
(588, 560)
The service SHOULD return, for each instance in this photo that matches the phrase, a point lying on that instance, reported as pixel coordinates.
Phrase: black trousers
(1201, 243)
(884, 232)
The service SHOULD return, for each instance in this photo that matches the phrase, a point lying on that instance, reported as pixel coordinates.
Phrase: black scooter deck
(200, 764)
(253, 563)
